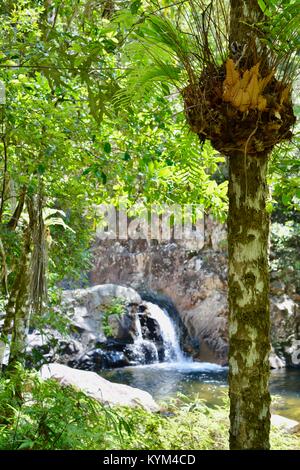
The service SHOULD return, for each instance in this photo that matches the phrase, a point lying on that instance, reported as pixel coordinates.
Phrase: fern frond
(143, 81)
(190, 171)
(180, 46)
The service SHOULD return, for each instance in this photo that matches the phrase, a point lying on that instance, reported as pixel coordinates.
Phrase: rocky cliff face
(195, 279)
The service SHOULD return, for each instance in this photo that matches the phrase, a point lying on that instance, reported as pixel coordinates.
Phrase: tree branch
(12, 224)
(4, 268)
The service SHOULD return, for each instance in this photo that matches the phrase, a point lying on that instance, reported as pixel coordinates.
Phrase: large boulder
(98, 358)
(99, 388)
(88, 345)
(288, 425)
(88, 305)
(110, 326)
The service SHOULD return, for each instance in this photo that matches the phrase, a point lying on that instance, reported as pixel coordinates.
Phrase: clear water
(208, 381)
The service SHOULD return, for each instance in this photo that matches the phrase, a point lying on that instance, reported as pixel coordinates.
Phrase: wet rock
(97, 359)
(151, 332)
(112, 344)
(275, 361)
(143, 353)
(150, 328)
(123, 328)
(69, 348)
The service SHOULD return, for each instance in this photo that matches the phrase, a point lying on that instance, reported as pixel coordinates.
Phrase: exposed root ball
(239, 110)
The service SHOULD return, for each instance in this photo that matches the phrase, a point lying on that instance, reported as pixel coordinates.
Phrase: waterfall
(170, 337)
(147, 351)
(143, 347)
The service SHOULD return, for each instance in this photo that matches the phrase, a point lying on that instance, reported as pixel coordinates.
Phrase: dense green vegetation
(51, 417)
(94, 113)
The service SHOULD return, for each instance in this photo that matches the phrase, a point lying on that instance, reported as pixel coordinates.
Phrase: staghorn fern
(159, 49)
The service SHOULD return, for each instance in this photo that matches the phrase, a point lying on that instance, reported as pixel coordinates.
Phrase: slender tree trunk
(249, 320)
(12, 295)
(17, 316)
(4, 270)
(17, 309)
(21, 314)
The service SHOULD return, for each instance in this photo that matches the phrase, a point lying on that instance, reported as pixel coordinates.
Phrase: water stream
(142, 346)
(171, 345)
(178, 373)
(165, 344)
(207, 381)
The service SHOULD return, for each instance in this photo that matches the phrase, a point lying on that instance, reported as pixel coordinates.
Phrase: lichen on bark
(248, 229)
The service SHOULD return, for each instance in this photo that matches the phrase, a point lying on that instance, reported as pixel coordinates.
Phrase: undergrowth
(49, 416)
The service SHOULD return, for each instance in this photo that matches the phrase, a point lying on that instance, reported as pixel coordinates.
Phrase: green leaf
(126, 157)
(262, 5)
(41, 169)
(135, 6)
(286, 199)
(165, 172)
(103, 177)
(26, 445)
(107, 147)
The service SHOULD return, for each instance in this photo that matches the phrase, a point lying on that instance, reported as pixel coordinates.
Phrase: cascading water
(172, 350)
(147, 351)
(143, 347)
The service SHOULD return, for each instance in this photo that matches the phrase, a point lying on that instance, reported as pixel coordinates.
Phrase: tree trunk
(248, 276)
(17, 309)
(249, 317)
(15, 328)
(21, 308)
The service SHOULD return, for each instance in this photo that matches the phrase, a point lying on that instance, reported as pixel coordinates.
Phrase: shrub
(116, 307)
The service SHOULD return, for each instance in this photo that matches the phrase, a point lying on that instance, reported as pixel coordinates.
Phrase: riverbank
(52, 417)
(206, 381)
